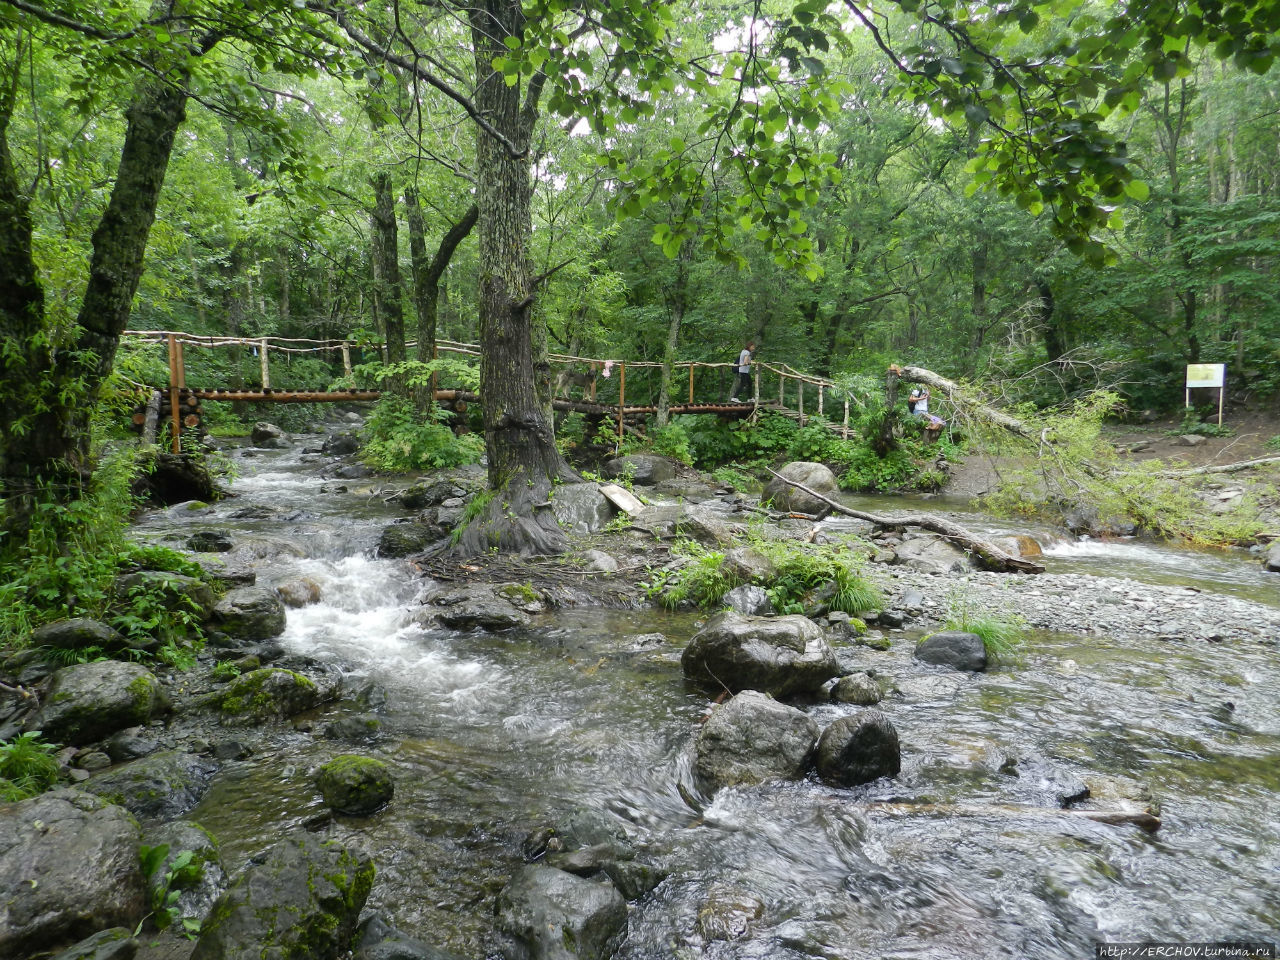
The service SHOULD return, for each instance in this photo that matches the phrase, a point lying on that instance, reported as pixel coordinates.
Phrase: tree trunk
(523, 459)
(50, 390)
(426, 277)
(676, 304)
(386, 254)
(885, 440)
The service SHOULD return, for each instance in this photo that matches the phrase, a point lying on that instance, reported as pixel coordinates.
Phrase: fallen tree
(992, 556)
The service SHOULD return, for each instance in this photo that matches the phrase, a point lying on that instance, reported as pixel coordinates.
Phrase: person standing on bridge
(742, 382)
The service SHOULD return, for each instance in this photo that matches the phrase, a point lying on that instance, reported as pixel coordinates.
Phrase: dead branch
(992, 556)
(1225, 468)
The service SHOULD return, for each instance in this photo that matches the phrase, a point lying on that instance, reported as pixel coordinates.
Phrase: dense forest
(1045, 198)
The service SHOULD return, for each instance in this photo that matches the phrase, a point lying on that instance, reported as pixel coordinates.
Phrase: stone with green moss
(267, 693)
(90, 701)
(300, 902)
(355, 785)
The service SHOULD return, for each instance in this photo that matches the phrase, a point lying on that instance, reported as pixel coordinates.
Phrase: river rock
(263, 433)
(547, 914)
(87, 702)
(580, 508)
(859, 749)
(210, 541)
(1019, 545)
(302, 900)
(643, 469)
(69, 868)
(749, 600)
(690, 490)
(748, 565)
(301, 592)
(355, 785)
(406, 539)
(1272, 559)
(955, 649)
(777, 655)
(1188, 440)
(859, 688)
(752, 738)
(161, 786)
(479, 607)
(196, 895)
(114, 943)
(424, 497)
(727, 913)
(268, 693)
(815, 476)
(173, 591)
(705, 527)
(354, 728)
(933, 555)
(78, 633)
(377, 939)
(250, 613)
(341, 444)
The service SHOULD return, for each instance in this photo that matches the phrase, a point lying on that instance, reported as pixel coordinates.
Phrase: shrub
(672, 441)
(803, 570)
(399, 438)
(27, 767)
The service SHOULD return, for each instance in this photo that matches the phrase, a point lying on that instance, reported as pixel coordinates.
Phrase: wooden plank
(621, 497)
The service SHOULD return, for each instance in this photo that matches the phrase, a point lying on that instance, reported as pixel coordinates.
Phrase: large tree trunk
(50, 390)
(523, 459)
(386, 254)
(427, 274)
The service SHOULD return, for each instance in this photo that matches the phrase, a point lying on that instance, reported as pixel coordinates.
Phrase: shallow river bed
(586, 713)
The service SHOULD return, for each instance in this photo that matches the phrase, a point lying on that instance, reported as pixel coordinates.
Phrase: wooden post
(844, 433)
(782, 390)
(622, 396)
(821, 391)
(264, 364)
(174, 413)
(800, 393)
(755, 388)
(346, 358)
(690, 384)
(1221, 392)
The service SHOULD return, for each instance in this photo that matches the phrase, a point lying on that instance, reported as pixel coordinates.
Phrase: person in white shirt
(742, 383)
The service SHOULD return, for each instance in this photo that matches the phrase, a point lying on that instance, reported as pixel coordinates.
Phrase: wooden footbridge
(694, 386)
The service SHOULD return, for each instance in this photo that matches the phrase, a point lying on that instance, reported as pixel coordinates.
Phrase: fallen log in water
(992, 556)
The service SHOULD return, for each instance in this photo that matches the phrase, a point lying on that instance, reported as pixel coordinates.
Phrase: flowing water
(586, 714)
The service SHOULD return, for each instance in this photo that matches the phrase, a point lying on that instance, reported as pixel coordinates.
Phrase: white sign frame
(1207, 375)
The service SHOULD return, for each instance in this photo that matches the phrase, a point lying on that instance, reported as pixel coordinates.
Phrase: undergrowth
(27, 767)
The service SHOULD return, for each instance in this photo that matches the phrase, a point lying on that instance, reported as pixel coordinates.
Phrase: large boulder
(250, 613)
(160, 786)
(932, 555)
(266, 434)
(859, 749)
(859, 688)
(355, 785)
(749, 565)
(1272, 559)
(87, 702)
(114, 943)
(815, 476)
(302, 900)
(752, 738)
(580, 508)
(777, 655)
(406, 539)
(749, 600)
(547, 914)
(267, 693)
(69, 867)
(79, 634)
(480, 607)
(341, 444)
(642, 469)
(955, 649)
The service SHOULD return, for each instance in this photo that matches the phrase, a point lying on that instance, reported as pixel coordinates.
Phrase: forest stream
(586, 718)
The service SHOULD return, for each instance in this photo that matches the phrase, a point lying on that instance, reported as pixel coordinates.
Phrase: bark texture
(519, 441)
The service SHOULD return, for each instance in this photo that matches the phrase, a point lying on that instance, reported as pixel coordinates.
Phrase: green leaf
(1137, 190)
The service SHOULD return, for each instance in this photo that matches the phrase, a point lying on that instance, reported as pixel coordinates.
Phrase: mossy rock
(268, 693)
(355, 785)
(90, 701)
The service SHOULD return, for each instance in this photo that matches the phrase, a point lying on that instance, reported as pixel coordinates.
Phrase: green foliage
(702, 581)
(672, 441)
(399, 438)
(475, 506)
(27, 767)
(736, 480)
(804, 570)
(819, 444)
(1191, 423)
(715, 442)
(225, 670)
(1078, 468)
(869, 472)
(1003, 631)
(183, 872)
(1274, 442)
